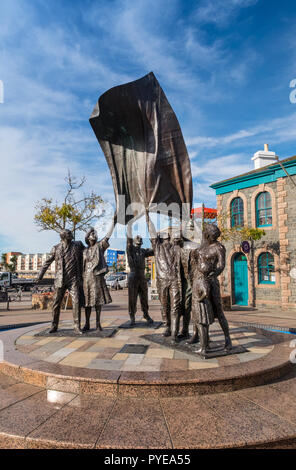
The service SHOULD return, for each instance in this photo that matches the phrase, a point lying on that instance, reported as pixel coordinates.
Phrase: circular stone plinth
(139, 349)
(128, 363)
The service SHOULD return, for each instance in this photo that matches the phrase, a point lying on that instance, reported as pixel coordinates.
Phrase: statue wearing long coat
(96, 292)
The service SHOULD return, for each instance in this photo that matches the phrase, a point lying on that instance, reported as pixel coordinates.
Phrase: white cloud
(31, 169)
(214, 141)
(223, 167)
(273, 131)
(220, 12)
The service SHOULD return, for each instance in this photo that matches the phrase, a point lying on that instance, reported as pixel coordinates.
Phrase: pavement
(232, 413)
(22, 313)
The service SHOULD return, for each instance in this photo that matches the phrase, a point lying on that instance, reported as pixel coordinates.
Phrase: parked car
(117, 281)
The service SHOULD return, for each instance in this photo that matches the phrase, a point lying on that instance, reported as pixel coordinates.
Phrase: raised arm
(112, 226)
(151, 226)
(46, 264)
(129, 235)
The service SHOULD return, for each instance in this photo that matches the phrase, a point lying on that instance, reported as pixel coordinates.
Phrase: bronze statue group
(186, 280)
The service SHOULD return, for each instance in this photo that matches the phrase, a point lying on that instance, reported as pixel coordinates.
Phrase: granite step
(256, 417)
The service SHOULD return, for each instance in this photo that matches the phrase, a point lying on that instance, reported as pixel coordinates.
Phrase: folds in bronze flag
(144, 147)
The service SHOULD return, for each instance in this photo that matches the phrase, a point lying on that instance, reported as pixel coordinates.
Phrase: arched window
(263, 210)
(237, 212)
(266, 272)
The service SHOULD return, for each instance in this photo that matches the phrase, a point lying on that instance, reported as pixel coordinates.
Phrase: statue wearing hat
(137, 282)
(68, 257)
(96, 292)
(168, 279)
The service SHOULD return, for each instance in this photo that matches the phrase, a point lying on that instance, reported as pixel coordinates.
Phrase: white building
(30, 264)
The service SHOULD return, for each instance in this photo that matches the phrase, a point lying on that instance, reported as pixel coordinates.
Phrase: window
(263, 210)
(266, 270)
(237, 212)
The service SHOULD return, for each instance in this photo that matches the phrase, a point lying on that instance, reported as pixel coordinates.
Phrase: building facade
(116, 258)
(28, 265)
(264, 198)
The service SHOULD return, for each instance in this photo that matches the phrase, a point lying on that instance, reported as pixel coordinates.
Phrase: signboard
(246, 247)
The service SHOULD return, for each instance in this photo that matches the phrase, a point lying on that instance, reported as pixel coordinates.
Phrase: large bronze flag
(143, 144)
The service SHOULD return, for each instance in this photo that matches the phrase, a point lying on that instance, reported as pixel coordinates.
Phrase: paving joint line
(106, 422)
(166, 423)
(49, 417)
(22, 399)
(285, 420)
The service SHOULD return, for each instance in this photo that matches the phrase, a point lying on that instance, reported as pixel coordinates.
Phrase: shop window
(266, 271)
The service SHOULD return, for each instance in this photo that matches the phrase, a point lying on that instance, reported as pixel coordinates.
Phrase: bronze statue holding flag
(142, 141)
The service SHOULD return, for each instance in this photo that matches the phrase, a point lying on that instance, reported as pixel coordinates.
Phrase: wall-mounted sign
(246, 247)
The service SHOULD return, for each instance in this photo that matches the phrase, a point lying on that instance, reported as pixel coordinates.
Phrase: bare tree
(71, 213)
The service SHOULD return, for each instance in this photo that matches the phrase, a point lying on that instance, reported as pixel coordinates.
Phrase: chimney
(264, 157)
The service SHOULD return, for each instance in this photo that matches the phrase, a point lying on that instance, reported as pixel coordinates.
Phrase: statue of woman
(202, 312)
(207, 263)
(96, 292)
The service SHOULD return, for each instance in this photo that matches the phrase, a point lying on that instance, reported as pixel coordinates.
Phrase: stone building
(264, 198)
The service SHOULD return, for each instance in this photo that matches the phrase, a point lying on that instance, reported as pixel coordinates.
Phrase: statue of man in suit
(68, 256)
(137, 282)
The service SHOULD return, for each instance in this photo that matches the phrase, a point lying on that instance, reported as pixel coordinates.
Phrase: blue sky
(225, 66)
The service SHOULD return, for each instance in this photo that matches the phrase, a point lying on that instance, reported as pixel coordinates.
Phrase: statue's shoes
(193, 340)
(201, 352)
(167, 333)
(149, 320)
(176, 340)
(77, 331)
(228, 344)
(183, 336)
(54, 329)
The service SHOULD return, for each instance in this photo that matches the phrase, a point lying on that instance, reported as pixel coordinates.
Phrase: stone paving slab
(69, 332)
(141, 324)
(216, 348)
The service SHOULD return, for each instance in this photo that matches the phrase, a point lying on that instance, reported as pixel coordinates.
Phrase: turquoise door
(240, 279)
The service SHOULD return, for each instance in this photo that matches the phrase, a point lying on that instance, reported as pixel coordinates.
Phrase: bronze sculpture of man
(168, 280)
(207, 263)
(68, 256)
(96, 292)
(182, 256)
(137, 282)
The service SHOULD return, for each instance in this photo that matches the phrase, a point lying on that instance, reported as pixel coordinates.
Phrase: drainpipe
(252, 261)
